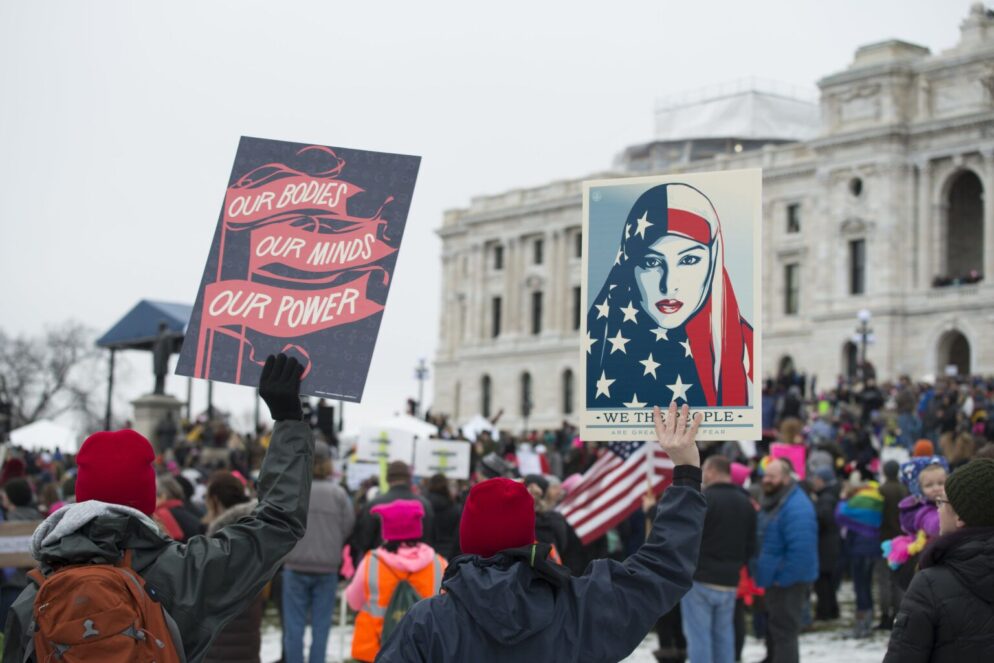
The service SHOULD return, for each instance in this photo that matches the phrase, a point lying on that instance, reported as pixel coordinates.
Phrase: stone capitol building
(873, 200)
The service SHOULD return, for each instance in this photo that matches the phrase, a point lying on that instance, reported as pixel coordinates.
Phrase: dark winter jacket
(829, 541)
(241, 639)
(789, 553)
(446, 524)
(893, 492)
(185, 518)
(551, 527)
(947, 615)
(202, 583)
(507, 608)
(729, 539)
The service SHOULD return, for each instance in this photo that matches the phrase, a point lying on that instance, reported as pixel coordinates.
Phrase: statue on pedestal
(161, 351)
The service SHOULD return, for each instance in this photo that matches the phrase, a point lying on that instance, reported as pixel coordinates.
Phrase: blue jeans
(708, 624)
(862, 578)
(304, 592)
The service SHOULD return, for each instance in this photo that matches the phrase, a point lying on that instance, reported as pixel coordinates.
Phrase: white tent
(44, 435)
(476, 425)
(408, 424)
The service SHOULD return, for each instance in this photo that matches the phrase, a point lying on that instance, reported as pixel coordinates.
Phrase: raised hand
(279, 387)
(678, 436)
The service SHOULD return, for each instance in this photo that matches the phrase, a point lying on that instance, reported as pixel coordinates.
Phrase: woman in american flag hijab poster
(672, 293)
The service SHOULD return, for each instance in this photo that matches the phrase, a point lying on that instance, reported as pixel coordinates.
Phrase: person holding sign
(201, 585)
(506, 600)
(666, 320)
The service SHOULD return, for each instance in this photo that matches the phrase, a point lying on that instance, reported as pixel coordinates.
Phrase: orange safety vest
(379, 585)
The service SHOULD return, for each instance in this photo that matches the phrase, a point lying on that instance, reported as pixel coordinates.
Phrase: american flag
(613, 487)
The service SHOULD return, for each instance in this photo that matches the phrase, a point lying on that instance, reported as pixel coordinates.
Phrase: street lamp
(863, 330)
(421, 374)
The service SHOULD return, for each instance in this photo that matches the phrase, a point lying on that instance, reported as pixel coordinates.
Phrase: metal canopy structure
(138, 330)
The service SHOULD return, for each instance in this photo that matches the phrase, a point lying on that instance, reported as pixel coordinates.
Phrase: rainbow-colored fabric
(864, 511)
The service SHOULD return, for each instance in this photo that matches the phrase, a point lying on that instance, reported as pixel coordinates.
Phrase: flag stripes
(613, 487)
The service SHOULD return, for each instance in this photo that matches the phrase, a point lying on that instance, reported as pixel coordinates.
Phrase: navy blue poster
(301, 263)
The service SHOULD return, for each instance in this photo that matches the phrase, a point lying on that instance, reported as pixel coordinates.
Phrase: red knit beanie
(116, 467)
(499, 514)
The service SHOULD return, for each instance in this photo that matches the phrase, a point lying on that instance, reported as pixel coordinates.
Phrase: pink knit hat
(739, 474)
(401, 519)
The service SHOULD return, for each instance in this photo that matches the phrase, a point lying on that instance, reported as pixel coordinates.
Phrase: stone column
(473, 278)
(512, 286)
(456, 301)
(445, 312)
(822, 236)
(483, 298)
(554, 296)
(925, 225)
(988, 194)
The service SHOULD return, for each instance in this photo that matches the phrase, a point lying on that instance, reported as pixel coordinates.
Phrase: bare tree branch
(50, 374)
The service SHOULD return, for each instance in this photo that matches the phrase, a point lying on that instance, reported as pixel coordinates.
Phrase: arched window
(526, 395)
(568, 391)
(485, 395)
(965, 228)
(954, 353)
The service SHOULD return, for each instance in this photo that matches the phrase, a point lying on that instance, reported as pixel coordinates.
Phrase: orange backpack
(99, 612)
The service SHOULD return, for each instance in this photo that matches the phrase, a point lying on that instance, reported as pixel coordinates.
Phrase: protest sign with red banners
(301, 262)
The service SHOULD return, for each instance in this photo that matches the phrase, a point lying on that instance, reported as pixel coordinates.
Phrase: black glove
(279, 387)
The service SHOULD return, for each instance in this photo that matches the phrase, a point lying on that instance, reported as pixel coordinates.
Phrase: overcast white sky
(119, 122)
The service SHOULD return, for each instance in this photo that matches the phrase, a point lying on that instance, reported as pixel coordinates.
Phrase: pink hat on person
(401, 519)
(740, 473)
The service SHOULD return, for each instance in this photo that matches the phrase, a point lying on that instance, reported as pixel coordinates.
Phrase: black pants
(740, 628)
(785, 605)
(828, 604)
(669, 629)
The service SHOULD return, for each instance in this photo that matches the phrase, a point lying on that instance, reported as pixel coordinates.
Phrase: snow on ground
(826, 645)
(820, 647)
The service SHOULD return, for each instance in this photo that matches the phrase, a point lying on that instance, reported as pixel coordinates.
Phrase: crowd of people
(860, 484)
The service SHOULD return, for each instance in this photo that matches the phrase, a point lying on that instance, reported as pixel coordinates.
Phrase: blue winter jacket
(789, 553)
(502, 609)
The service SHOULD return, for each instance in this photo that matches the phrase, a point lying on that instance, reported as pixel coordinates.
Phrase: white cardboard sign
(448, 457)
(358, 472)
(389, 443)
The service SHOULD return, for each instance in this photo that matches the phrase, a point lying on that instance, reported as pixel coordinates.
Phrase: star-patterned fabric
(632, 366)
(634, 363)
